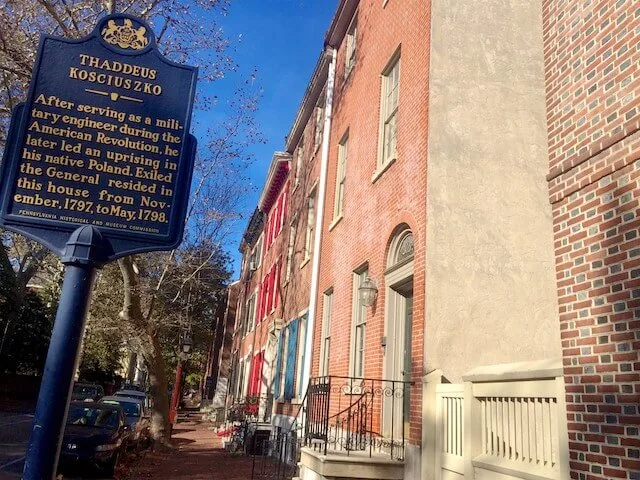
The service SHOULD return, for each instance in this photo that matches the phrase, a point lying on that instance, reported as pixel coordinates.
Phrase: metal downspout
(322, 187)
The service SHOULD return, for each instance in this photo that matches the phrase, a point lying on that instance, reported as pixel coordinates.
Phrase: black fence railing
(341, 415)
(348, 414)
(275, 457)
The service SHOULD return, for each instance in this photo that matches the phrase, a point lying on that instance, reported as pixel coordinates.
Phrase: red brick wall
(373, 209)
(593, 83)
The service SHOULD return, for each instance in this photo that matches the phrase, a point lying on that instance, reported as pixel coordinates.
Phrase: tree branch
(54, 14)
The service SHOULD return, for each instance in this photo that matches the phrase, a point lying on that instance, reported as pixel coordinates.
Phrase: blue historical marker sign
(102, 140)
(98, 165)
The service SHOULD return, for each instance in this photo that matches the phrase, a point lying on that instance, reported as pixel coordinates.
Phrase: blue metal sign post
(62, 359)
(97, 166)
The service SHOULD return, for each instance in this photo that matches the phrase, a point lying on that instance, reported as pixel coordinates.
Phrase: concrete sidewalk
(199, 456)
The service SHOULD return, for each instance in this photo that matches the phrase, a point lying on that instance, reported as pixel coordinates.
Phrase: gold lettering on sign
(96, 164)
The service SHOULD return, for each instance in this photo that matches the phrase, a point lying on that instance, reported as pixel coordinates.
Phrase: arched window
(401, 250)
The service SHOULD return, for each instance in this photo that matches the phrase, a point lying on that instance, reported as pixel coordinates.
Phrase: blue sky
(282, 39)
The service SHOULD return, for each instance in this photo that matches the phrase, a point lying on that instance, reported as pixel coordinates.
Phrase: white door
(397, 360)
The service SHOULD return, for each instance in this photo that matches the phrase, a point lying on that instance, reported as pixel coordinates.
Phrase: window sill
(305, 261)
(381, 169)
(336, 221)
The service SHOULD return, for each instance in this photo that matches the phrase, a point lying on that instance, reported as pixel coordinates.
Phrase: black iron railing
(340, 415)
(277, 457)
(348, 414)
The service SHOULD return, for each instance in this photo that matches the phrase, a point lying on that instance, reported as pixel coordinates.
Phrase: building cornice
(340, 22)
(309, 101)
(276, 178)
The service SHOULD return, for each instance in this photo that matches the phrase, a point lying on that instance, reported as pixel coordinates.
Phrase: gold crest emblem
(125, 36)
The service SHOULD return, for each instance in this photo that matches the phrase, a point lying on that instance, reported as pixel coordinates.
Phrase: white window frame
(256, 252)
(276, 286)
(319, 124)
(302, 331)
(311, 224)
(291, 246)
(341, 170)
(357, 358)
(351, 47)
(250, 320)
(389, 103)
(240, 379)
(283, 364)
(325, 342)
(299, 160)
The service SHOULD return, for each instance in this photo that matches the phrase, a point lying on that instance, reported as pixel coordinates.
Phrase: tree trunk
(151, 350)
(152, 354)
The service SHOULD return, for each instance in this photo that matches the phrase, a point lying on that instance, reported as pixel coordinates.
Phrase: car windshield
(130, 394)
(131, 409)
(84, 390)
(93, 417)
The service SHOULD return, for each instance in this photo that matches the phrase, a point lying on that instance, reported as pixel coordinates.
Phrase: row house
(455, 179)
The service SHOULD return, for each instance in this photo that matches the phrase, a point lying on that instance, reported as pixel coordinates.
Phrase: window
(311, 213)
(274, 286)
(292, 351)
(340, 176)
(319, 123)
(359, 326)
(299, 160)
(255, 380)
(350, 54)
(241, 378)
(276, 218)
(388, 111)
(280, 363)
(325, 345)
(250, 314)
(302, 343)
(269, 291)
(256, 254)
(293, 229)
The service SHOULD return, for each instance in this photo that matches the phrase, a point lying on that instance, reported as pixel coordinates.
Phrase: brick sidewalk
(199, 456)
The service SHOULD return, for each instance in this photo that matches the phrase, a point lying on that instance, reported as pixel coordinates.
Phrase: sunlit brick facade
(592, 60)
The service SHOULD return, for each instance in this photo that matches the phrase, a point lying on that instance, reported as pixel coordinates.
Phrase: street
(196, 446)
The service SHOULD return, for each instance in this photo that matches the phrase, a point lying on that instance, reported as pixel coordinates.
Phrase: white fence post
(473, 438)
(429, 424)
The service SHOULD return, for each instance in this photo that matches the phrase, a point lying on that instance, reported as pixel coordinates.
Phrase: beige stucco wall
(490, 289)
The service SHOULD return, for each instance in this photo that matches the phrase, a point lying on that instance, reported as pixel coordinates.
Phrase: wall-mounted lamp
(368, 292)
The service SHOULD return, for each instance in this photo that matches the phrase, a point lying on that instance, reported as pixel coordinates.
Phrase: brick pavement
(199, 456)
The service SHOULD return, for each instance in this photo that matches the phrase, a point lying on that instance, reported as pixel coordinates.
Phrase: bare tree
(155, 287)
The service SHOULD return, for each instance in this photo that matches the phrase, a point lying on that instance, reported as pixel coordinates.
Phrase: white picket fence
(505, 421)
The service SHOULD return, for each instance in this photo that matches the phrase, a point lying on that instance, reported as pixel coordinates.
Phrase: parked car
(86, 392)
(95, 436)
(137, 416)
(134, 394)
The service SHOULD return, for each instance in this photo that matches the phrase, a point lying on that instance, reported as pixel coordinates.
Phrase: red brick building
(374, 219)
(442, 158)
(592, 59)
